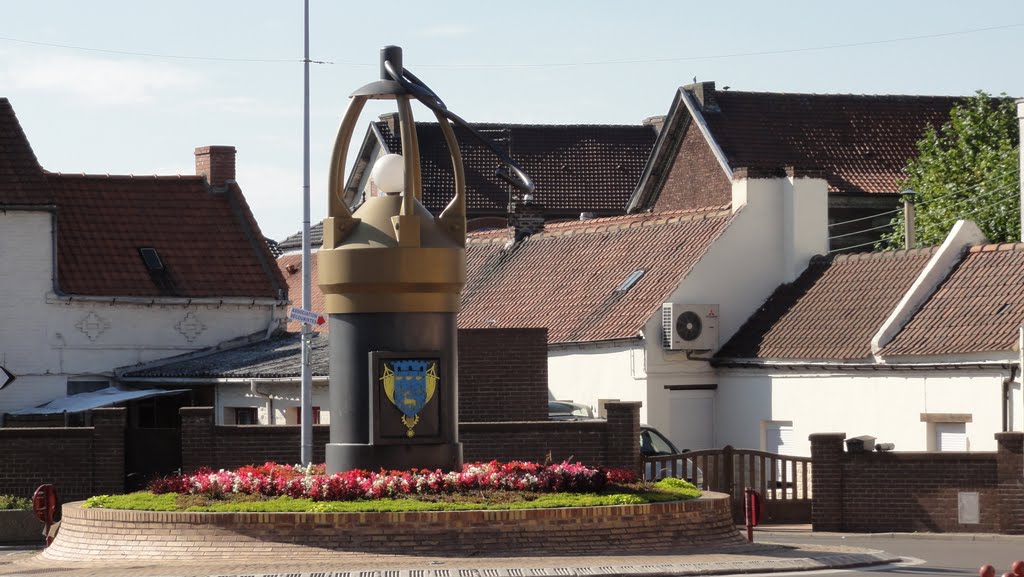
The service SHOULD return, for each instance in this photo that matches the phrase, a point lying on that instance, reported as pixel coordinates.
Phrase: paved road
(940, 555)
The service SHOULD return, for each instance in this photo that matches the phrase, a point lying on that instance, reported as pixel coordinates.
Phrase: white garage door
(692, 419)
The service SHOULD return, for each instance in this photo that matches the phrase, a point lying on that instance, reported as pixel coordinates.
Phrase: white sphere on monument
(388, 174)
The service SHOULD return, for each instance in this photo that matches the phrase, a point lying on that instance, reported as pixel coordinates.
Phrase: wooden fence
(783, 481)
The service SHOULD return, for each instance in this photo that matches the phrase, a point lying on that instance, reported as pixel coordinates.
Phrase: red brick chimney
(217, 164)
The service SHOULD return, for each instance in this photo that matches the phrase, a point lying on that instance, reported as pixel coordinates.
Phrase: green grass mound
(633, 494)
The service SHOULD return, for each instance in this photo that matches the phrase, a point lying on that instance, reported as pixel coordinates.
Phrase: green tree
(967, 169)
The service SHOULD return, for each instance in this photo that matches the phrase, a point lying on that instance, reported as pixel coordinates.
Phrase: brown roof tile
(565, 278)
(208, 241)
(576, 167)
(978, 308)
(860, 143)
(831, 311)
(21, 178)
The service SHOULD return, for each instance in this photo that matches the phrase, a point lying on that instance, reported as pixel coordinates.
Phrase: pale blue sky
(523, 62)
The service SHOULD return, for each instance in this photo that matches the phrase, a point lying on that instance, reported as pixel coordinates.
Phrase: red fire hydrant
(753, 507)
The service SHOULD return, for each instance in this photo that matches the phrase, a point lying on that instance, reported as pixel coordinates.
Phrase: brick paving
(756, 558)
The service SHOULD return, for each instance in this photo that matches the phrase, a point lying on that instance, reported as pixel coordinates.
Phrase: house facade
(858, 143)
(600, 286)
(919, 348)
(103, 271)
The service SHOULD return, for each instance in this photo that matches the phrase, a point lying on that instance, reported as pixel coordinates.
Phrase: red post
(752, 505)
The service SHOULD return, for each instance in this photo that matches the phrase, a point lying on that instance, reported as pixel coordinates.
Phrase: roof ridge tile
(171, 177)
(883, 254)
(1000, 246)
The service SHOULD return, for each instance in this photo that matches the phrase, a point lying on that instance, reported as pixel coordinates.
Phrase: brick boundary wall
(909, 492)
(204, 444)
(80, 461)
(611, 443)
(105, 534)
(503, 375)
(614, 442)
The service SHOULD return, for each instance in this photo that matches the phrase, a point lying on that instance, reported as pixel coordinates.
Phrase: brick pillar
(108, 450)
(827, 481)
(198, 446)
(623, 436)
(1010, 472)
(217, 164)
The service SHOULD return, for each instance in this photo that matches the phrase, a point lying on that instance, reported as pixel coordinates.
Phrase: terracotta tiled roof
(208, 241)
(832, 311)
(978, 308)
(291, 268)
(566, 278)
(860, 143)
(576, 168)
(21, 178)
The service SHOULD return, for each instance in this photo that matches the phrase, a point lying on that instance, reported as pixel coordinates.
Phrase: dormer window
(152, 259)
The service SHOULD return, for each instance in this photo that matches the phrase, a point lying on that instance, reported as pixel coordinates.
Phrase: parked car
(653, 443)
(568, 411)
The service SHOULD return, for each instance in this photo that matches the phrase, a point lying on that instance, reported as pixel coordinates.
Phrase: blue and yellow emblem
(409, 386)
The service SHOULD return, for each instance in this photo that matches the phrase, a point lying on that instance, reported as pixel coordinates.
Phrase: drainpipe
(1007, 399)
(270, 401)
(1020, 360)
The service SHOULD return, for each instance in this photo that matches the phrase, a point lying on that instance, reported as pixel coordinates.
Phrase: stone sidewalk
(753, 558)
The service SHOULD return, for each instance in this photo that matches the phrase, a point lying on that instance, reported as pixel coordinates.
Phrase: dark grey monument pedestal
(345, 457)
(367, 430)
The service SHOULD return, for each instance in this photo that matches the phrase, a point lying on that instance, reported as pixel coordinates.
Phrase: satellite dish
(688, 325)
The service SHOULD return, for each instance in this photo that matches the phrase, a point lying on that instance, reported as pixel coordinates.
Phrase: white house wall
(782, 224)
(45, 340)
(884, 404)
(589, 373)
(284, 400)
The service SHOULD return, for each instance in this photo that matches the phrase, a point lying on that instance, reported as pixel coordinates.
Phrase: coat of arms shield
(409, 385)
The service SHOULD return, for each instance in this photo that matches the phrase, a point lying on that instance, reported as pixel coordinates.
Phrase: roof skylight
(152, 259)
(631, 280)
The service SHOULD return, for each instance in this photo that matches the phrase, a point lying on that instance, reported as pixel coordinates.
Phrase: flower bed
(273, 480)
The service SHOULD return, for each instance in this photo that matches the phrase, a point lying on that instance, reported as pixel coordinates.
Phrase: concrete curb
(993, 537)
(767, 559)
(657, 570)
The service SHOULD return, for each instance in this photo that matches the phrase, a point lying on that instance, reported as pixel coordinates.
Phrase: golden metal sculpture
(392, 255)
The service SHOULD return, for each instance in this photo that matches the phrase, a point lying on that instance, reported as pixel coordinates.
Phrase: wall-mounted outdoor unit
(689, 327)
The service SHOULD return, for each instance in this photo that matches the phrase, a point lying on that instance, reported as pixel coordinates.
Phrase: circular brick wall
(110, 534)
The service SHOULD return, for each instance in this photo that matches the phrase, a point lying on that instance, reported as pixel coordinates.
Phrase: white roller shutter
(951, 437)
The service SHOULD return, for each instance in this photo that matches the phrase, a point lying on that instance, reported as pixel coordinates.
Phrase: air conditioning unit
(689, 327)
